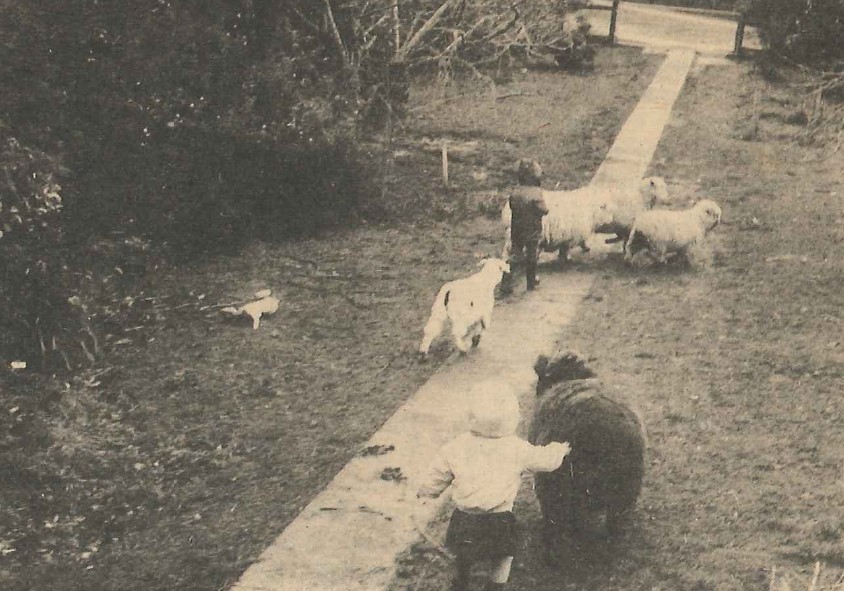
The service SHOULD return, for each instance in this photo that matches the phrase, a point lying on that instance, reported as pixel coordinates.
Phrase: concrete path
(348, 537)
(631, 153)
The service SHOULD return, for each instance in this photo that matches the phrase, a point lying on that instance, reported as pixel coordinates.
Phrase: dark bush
(40, 320)
(807, 31)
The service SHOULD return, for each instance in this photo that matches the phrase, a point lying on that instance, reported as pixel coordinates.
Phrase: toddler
(527, 207)
(484, 468)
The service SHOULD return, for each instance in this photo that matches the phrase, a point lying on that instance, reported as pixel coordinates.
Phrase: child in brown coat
(527, 206)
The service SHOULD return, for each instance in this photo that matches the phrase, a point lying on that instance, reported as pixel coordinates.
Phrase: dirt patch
(177, 464)
(736, 367)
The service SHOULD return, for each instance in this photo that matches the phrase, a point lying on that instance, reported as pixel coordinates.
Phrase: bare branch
(402, 53)
(335, 32)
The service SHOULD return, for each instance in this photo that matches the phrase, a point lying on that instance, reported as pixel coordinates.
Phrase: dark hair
(529, 172)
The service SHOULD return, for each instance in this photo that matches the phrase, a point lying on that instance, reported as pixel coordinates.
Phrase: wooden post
(613, 17)
(737, 49)
(445, 163)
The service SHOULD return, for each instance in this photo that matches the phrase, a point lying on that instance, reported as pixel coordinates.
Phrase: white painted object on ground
(267, 304)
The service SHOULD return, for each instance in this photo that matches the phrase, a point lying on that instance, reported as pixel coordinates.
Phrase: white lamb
(468, 304)
(667, 233)
(571, 220)
(629, 201)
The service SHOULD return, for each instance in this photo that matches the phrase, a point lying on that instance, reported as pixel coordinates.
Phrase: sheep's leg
(563, 253)
(432, 331)
(583, 246)
(617, 238)
(460, 333)
(661, 255)
(635, 244)
(433, 328)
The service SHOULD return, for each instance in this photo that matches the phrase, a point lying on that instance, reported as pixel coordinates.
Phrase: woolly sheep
(569, 222)
(649, 192)
(467, 303)
(591, 494)
(666, 233)
(572, 219)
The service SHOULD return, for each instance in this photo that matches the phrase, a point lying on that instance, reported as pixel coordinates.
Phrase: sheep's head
(495, 266)
(563, 366)
(529, 172)
(654, 191)
(709, 212)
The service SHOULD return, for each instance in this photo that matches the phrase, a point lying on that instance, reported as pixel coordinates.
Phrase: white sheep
(467, 303)
(570, 221)
(666, 233)
(579, 213)
(629, 200)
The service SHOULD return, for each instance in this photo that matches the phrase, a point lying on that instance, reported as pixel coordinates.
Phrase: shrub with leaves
(807, 31)
(40, 320)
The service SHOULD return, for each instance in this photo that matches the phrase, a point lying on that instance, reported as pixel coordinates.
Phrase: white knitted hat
(493, 410)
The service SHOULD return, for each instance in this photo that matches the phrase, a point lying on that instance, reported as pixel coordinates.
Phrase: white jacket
(485, 472)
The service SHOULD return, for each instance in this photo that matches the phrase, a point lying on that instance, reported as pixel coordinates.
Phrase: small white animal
(570, 222)
(467, 303)
(266, 305)
(666, 233)
(629, 200)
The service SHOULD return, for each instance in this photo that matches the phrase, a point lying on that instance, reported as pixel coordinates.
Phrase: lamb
(591, 494)
(467, 303)
(571, 220)
(667, 233)
(628, 203)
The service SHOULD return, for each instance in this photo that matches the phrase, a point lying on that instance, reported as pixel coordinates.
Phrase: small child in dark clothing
(527, 206)
(484, 468)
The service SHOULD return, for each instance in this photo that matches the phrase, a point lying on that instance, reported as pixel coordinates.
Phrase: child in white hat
(484, 468)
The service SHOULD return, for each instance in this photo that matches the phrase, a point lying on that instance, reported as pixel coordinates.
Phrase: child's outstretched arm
(438, 479)
(545, 458)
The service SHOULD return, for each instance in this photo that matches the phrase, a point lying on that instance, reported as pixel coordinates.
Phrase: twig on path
(510, 95)
(815, 576)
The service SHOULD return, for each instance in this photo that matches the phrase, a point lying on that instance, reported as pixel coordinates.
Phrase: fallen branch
(402, 54)
(510, 95)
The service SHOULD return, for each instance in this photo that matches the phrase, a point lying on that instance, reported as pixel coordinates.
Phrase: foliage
(808, 31)
(39, 320)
